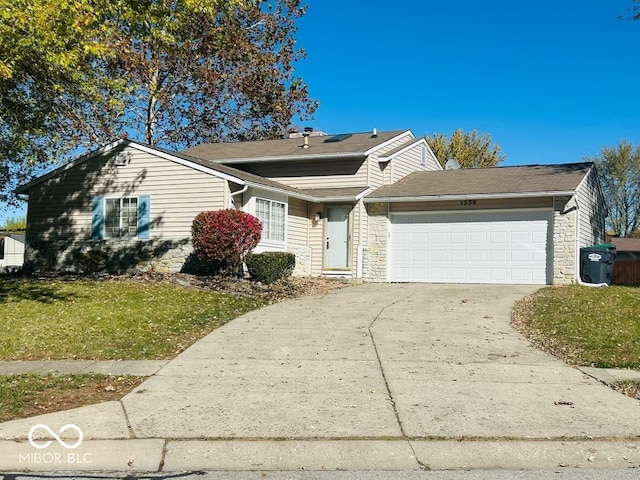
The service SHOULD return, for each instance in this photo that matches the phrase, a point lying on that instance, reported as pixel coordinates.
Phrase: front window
(121, 219)
(272, 217)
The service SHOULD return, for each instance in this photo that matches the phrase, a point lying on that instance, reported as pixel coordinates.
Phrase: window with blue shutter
(97, 218)
(125, 217)
(144, 204)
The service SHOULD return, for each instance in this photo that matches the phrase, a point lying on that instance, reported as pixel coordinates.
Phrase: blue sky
(551, 81)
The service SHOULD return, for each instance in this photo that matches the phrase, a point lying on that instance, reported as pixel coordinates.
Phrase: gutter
(239, 192)
(436, 198)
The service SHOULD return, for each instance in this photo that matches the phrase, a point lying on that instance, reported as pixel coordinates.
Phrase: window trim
(104, 224)
(265, 242)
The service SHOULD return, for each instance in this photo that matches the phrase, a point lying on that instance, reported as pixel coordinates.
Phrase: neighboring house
(626, 268)
(11, 250)
(369, 205)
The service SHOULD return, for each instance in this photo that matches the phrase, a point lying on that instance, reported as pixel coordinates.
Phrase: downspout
(239, 192)
(578, 278)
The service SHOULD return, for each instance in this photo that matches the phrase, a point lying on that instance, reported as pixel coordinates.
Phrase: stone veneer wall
(564, 241)
(374, 266)
(303, 260)
(166, 256)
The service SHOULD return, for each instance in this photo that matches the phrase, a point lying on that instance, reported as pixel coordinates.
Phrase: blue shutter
(144, 204)
(97, 218)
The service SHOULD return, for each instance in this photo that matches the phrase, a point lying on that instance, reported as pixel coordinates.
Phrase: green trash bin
(596, 263)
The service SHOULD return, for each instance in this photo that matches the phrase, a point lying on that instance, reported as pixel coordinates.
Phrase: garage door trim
(449, 214)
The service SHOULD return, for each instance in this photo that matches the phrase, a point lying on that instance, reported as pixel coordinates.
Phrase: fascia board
(187, 163)
(23, 189)
(436, 198)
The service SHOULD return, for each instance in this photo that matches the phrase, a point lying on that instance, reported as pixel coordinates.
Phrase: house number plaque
(467, 203)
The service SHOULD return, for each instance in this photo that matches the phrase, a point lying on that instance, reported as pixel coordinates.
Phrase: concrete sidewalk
(373, 377)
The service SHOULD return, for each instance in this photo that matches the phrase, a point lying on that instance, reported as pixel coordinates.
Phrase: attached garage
(503, 225)
(502, 247)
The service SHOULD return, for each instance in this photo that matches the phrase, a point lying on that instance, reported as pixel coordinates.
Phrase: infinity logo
(70, 426)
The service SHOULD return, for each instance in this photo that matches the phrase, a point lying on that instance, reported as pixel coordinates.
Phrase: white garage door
(479, 247)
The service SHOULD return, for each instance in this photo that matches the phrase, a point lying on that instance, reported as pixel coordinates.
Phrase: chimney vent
(308, 129)
(375, 133)
(306, 140)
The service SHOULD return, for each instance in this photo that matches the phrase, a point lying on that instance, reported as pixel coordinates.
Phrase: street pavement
(395, 377)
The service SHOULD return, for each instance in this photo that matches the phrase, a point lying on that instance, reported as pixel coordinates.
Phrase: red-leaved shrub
(224, 237)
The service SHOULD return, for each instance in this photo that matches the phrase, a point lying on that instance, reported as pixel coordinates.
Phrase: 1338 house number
(466, 203)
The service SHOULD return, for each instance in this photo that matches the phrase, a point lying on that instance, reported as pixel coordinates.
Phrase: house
(626, 268)
(11, 251)
(373, 205)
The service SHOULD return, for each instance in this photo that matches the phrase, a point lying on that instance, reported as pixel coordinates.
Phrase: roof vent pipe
(306, 140)
(375, 133)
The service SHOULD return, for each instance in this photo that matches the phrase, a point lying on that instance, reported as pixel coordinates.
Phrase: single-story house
(11, 250)
(373, 205)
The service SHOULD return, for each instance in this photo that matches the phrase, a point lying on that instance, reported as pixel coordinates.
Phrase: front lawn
(26, 395)
(108, 320)
(597, 327)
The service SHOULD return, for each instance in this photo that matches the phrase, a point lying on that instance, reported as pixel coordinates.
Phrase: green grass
(26, 395)
(55, 319)
(585, 326)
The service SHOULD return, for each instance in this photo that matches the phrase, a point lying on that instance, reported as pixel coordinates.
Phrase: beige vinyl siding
(376, 169)
(411, 161)
(591, 211)
(312, 174)
(61, 207)
(316, 240)
(481, 204)
(358, 232)
(297, 222)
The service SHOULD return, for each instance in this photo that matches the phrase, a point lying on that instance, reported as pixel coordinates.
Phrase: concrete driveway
(369, 365)
(377, 361)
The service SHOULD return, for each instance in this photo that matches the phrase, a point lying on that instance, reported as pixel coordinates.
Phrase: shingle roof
(626, 244)
(355, 143)
(487, 181)
(338, 192)
(406, 144)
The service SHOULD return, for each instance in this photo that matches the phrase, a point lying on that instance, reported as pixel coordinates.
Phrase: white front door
(336, 244)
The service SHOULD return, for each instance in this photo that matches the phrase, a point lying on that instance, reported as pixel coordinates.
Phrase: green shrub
(92, 261)
(268, 267)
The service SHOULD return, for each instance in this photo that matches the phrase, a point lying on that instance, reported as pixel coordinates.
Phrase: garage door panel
(478, 256)
(498, 256)
(458, 255)
(458, 238)
(519, 274)
(498, 275)
(438, 256)
(439, 238)
(438, 274)
(478, 238)
(519, 255)
(479, 247)
(499, 237)
(420, 256)
(538, 256)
